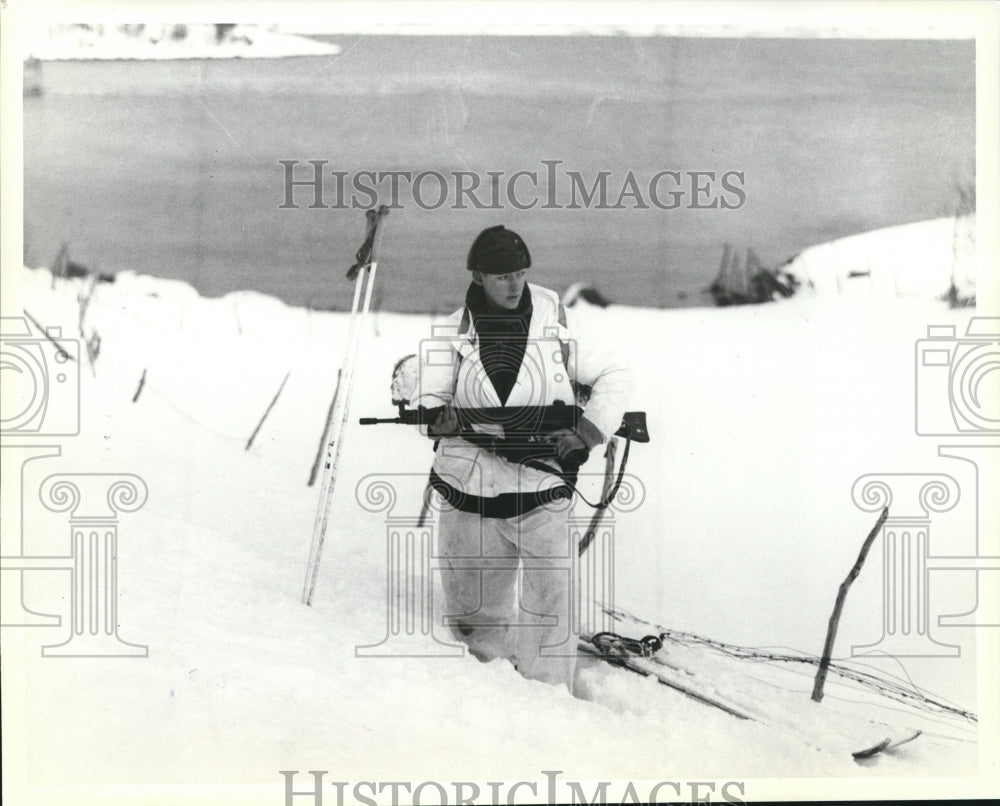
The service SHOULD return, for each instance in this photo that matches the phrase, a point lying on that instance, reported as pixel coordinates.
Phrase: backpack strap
(463, 329)
(563, 331)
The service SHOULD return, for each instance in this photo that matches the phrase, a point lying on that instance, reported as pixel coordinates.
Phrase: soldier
(504, 520)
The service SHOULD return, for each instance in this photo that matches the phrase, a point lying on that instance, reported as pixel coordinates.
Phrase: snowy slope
(921, 259)
(761, 420)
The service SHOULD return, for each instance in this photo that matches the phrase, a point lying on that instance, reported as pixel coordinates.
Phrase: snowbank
(761, 418)
(923, 259)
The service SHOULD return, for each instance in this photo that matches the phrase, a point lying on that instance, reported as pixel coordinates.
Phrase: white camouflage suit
(508, 581)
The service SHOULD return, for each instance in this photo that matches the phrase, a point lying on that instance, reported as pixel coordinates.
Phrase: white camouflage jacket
(558, 355)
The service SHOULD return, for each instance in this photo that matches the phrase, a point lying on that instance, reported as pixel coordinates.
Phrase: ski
(687, 649)
(629, 654)
(872, 751)
(884, 745)
(648, 657)
(363, 275)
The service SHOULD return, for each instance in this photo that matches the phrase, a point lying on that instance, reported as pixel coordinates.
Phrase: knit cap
(498, 250)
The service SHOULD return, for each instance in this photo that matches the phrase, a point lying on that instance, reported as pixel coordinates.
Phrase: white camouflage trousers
(508, 588)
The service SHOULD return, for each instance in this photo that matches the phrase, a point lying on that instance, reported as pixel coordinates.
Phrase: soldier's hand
(570, 447)
(446, 424)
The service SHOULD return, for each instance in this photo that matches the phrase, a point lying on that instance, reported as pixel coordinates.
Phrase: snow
(198, 41)
(909, 260)
(640, 20)
(761, 419)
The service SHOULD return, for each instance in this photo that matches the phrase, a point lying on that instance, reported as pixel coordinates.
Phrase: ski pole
(363, 273)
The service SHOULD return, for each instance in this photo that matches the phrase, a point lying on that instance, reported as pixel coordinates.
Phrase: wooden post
(138, 389)
(727, 253)
(59, 264)
(267, 410)
(831, 632)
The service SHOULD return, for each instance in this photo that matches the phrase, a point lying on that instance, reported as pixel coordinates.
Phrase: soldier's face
(503, 290)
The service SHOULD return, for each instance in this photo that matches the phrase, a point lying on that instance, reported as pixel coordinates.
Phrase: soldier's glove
(446, 424)
(573, 445)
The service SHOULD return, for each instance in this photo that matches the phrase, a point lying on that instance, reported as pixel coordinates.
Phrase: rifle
(525, 428)
(524, 421)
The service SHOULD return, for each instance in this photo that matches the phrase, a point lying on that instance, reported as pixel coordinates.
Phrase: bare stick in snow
(62, 350)
(138, 389)
(267, 410)
(831, 632)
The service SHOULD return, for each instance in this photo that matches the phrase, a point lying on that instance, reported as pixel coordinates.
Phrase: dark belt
(505, 505)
